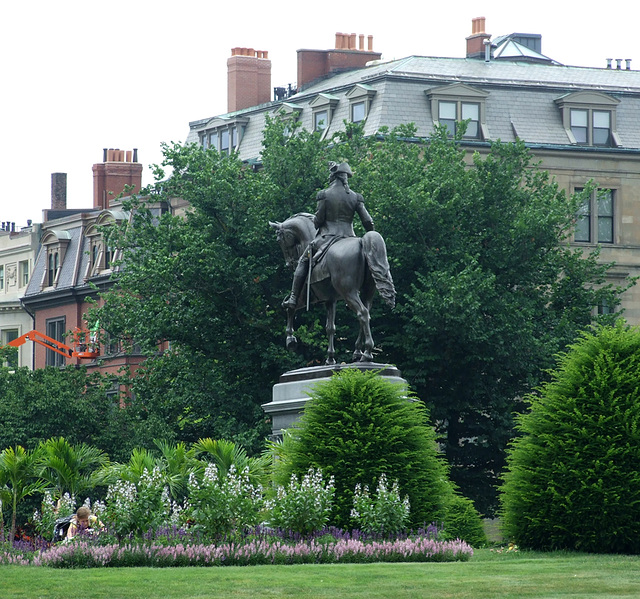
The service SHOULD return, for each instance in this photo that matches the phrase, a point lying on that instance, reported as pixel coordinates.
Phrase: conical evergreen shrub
(573, 476)
(358, 426)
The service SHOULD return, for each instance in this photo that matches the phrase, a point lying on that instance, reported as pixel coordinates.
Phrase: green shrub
(384, 513)
(573, 480)
(463, 522)
(359, 426)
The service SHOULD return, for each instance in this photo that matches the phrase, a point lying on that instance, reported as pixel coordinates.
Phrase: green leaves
(572, 480)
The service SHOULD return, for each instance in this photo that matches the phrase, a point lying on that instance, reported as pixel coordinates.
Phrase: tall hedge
(573, 477)
(359, 425)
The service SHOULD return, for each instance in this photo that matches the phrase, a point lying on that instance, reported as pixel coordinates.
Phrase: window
(1, 278)
(53, 268)
(223, 135)
(9, 335)
(288, 113)
(452, 104)
(357, 112)
(595, 218)
(55, 245)
(102, 254)
(320, 120)
(323, 106)
(598, 134)
(451, 113)
(55, 330)
(589, 118)
(24, 273)
(360, 99)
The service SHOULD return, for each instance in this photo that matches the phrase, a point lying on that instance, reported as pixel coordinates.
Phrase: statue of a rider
(336, 208)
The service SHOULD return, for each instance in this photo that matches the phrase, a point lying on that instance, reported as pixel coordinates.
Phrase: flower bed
(87, 554)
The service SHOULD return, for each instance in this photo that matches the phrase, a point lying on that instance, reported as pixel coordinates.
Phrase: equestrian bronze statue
(331, 263)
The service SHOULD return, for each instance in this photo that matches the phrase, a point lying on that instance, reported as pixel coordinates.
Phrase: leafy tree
(488, 287)
(42, 404)
(572, 479)
(358, 427)
(69, 468)
(19, 478)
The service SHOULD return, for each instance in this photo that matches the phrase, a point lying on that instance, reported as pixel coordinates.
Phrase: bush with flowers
(385, 513)
(302, 506)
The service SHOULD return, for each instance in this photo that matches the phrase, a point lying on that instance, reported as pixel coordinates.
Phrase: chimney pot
(477, 25)
(618, 63)
(361, 42)
(352, 41)
(609, 61)
(370, 40)
(135, 154)
(338, 41)
(628, 61)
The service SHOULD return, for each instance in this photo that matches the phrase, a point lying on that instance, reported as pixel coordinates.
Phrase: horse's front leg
(292, 342)
(331, 331)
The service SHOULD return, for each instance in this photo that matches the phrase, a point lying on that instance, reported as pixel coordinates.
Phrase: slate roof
(521, 98)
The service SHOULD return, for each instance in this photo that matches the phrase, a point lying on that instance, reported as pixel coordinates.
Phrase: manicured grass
(488, 574)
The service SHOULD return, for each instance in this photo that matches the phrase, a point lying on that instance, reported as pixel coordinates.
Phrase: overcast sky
(80, 76)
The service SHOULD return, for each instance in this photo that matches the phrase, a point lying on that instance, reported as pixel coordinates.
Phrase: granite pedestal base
(291, 393)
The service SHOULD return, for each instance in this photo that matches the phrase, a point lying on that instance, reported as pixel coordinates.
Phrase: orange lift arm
(81, 350)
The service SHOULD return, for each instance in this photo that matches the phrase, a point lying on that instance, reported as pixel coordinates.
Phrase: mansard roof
(520, 96)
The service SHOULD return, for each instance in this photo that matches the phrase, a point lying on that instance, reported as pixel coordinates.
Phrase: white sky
(80, 76)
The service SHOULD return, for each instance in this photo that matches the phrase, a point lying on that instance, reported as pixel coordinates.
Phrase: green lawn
(507, 576)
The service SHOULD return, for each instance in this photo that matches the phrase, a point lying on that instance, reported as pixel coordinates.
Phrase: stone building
(581, 123)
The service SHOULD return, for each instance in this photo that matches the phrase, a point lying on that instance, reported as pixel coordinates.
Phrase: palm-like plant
(18, 478)
(70, 468)
(225, 454)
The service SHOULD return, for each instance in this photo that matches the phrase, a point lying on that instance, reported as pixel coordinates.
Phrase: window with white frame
(589, 118)
(55, 245)
(2, 277)
(595, 221)
(55, 329)
(360, 98)
(23, 268)
(453, 104)
(323, 106)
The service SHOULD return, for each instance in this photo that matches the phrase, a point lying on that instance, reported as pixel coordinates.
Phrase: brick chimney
(248, 78)
(58, 191)
(475, 42)
(118, 169)
(349, 54)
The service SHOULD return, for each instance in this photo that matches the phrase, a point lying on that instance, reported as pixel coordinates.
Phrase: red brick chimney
(248, 78)
(475, 42)
(118, 169)
(346, 56)
(58, 191)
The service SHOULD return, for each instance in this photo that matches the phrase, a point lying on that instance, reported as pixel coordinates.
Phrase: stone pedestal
(292, 392)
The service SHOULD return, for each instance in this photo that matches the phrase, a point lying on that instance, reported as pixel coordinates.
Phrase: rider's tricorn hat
(343, 167)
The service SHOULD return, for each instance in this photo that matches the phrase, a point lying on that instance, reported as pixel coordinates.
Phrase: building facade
(18, 251)
(581, 123)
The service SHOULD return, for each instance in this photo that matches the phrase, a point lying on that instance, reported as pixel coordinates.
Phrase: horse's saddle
(319, 271)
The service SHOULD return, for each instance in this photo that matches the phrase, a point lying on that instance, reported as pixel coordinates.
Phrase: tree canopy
(489, 289)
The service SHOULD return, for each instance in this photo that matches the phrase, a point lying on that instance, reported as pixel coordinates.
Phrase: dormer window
(323, 106)
(101, 254)
(289, 114)
(55, 245)
(223, 135)
(452, 104)
(589, 118)
(360, 98)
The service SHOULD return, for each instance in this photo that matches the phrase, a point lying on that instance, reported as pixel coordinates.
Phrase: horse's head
(293, 235)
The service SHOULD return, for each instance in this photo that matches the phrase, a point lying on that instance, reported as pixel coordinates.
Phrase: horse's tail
(375, 253)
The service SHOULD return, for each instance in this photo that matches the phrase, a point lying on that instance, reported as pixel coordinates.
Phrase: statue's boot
(298, 282)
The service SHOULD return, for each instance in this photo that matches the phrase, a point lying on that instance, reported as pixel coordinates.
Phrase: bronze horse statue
(351, 269)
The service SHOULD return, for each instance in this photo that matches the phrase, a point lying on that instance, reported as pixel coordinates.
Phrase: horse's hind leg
(364, 344)
(366, 295)
(331, 331)
(292, 342)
